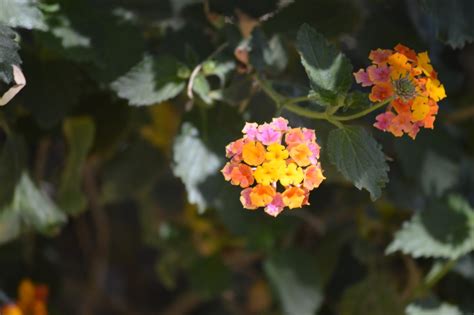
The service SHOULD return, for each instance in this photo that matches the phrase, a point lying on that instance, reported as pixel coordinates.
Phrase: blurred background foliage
(110, 187)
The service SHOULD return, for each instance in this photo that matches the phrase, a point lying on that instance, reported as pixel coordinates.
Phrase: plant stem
(426, 285)
(364, 112)
(290, 104)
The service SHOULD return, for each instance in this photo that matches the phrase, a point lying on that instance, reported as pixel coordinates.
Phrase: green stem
(290, 105)
(427, 285)
(268, 89)
(363, 112)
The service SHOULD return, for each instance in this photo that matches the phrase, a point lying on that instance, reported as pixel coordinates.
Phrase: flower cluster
(270, 156)
(31, 300)
(409, 80)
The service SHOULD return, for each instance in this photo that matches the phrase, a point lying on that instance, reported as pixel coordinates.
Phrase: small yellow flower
(435, 89)
(269, 172)
(420, 108)
(292, 175)
(276, 151)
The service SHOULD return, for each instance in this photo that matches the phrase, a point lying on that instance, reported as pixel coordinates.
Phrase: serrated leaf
(441, 309)
(193, 163)
(30, 209)
(359, 158)
(8, 53)
(329, 71)
(12, 160)
(69, 37)
(452, 20)
(444, 230)
(294, 276)
(22, 13)
(150, 82)
(375, 295)
(79, 134)
(438, 174)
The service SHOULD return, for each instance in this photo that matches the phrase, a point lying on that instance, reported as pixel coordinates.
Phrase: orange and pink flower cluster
(32, 300)
(410, 82)
(272, 157)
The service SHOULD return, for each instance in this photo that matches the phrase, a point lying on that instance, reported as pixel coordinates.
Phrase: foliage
(111, 157)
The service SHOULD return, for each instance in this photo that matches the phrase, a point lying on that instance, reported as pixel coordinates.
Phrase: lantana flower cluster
(32, 300)
(410, 81)
(277, 166)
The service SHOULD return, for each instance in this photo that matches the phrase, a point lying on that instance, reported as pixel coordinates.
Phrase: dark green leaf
(453, 20)
(359, 158)
(294, 274)
(267, 55)
(375, 295)
(444, 230)
(150, 82)
(79, 133)
(329, 71)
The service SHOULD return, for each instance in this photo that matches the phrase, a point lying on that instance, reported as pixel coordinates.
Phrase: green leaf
(193, 163)
(359, 158)
(438, 174)
(441, 309)
(79, 133)
(452, 20)
(329, 71)
(375, 295)
(150, 82)
(294, 275)
(445, 229)
(357, 100)
(29, 209)
(267, 55)
(8, 53)
(22, 13)
(202, 88)
(12, 160)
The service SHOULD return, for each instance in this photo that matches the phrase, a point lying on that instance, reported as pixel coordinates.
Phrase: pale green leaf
(441, 309)
(445, 229)
(79, 133)
(30, 209)
(21, 13)
(359, 158)
(150, 82)
(193, 163)
(295, 277)
(8, 53)
(329, 71)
